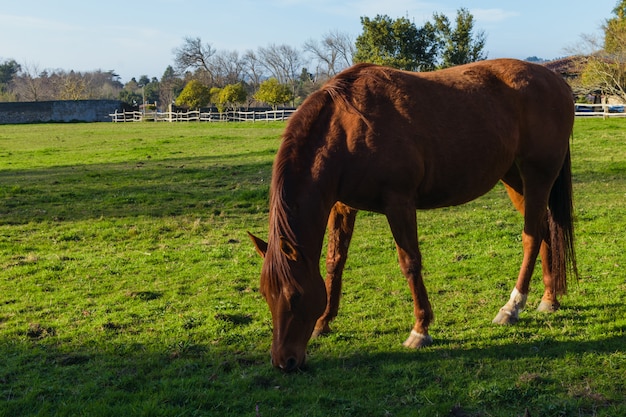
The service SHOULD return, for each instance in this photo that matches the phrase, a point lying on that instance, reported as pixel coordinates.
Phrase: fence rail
(581, 110)
(200, 116)
(600, 110)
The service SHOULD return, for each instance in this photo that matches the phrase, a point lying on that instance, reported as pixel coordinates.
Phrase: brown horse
(390, 141)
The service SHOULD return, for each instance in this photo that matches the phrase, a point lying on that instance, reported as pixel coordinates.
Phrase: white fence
(199, 116)
(582, 110)
(600, 110)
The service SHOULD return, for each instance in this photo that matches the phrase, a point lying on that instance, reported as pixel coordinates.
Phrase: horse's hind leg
(340, 228)
(403, 225)
(535, 240)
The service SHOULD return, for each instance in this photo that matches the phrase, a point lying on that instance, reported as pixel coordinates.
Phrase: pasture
(128, 286)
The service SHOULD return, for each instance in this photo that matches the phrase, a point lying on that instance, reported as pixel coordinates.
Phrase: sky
(135, 38)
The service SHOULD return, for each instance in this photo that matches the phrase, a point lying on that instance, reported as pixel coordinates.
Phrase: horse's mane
(306, 126)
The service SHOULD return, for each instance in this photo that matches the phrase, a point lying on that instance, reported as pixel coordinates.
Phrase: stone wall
(58, 111)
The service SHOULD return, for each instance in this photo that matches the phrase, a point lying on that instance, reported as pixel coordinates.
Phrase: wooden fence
(582, 110)
(600, 110)
(200, 116)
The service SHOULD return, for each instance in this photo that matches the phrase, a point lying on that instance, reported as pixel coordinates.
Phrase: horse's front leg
(340, 228)
(403, 225)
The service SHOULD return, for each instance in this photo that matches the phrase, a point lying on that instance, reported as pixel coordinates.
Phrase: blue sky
(137, 37)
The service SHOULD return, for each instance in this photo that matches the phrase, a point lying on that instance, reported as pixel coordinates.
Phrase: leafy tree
(460, 45)
(152, 90)
(274, 93)
(130, 97)
(194, 95)
(396, 43)
(131, 94)
(307, 84)
(615, 30)
(169, 87)
(214, 94)
(8, 69)
(232, 94)
(604, 69)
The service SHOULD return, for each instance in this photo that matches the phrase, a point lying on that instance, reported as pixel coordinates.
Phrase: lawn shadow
(210, 379)
(157, 188)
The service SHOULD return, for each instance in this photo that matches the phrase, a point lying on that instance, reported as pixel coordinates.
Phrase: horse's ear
(259, 244)
(288, 249)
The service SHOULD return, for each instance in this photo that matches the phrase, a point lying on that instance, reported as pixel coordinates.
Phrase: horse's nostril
(290, 365)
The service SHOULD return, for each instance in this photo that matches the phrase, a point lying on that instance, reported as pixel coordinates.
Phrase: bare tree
(253, 68)
(195, 56)
(333, 54)
(34, 85)
(73, 87)
(227, 67)
(282, 61)
(28, 84)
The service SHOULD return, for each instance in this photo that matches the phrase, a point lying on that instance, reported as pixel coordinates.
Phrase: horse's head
(296, 295)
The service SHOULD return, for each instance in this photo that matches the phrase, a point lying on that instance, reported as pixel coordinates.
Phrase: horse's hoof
(418, 340)
(505, 317)
(548, 307)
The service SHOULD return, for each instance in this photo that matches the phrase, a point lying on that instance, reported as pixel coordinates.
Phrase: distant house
(570, 67)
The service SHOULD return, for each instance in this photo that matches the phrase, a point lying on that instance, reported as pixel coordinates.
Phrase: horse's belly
(452, 196)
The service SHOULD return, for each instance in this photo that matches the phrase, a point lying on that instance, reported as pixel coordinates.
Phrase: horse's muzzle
(288, 364)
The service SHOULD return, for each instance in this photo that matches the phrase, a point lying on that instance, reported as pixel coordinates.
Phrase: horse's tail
(561, 224)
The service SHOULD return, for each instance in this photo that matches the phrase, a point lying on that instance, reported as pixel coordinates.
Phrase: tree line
(275, 74)
(282, 74)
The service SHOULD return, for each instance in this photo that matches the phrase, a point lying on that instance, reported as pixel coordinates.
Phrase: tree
(226, 67)
(615, 30)
(73, 87)
(334, 53)
(253, 68)
(169, 87)
(144, 91)
(194, 95)
(232, 95)
(8, 70)
(307, 84)
(194, 55)
(604, 66)
(131, 94)
(274, 93)
(460, 45)
(151, 90)
(29, 85)
(396, 43)
(283, 62)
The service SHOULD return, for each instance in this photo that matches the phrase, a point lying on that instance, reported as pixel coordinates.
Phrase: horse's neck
(302, 219)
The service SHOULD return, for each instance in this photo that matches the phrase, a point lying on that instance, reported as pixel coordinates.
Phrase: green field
(128, 287)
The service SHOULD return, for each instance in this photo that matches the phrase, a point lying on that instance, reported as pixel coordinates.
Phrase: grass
(128, 287)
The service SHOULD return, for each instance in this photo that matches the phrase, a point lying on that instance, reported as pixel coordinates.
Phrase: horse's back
(441, 138)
